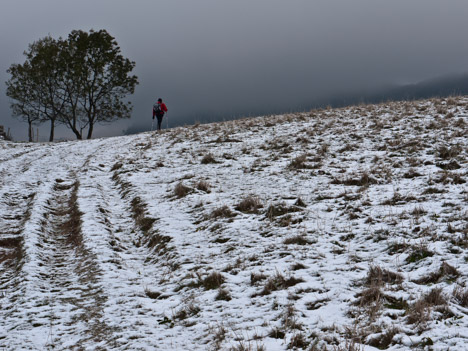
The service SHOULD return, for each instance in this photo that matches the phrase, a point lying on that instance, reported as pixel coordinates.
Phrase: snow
(98, 252)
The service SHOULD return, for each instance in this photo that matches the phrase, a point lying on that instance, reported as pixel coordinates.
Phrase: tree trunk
(90, 131)
(52, 130)
(30, 132)
(76, 132)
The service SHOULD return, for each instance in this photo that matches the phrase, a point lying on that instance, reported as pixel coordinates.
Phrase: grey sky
(214, 57)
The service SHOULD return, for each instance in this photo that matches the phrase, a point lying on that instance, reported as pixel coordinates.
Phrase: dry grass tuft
(256, 277)
(420, 311)
(384, 340)
(251, 204)
(222, 212)
(208, 158)
(299, 162)
(181, 190)
(116, 166)
(223, 295)
(377, 276)
(461, 296)
(445, 271)
(203, 185)
(213, 281)
(298, 341)
(418, 253)
(363, 179)
(280, 209)
(447, 152)
(299, 239)
(278, 282)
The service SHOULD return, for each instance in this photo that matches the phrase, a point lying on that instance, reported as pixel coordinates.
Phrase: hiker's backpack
(158, 110)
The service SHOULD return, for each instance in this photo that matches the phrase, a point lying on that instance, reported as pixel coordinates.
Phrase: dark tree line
(77, 82)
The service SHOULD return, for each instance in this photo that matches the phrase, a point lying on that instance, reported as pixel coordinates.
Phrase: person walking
(159, 109)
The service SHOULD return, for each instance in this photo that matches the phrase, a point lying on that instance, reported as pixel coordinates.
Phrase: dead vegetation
(445, 272)
(208, 158)
(251, 204)
(181, 190)
(278, 282)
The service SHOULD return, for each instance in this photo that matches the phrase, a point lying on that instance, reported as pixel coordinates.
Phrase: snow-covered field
(336, 229)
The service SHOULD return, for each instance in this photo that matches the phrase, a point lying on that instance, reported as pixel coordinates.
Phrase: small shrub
(213, 281)
(418, 253)
(276, 333)
(223, 211)
(223, 295)
(299, 239)
(181, 190)
(203, 185)
(461, 296)
(299, 162)
(298, 341)
(187, 311)
(250, 204)
(384, 340)
(420, 311)
(116, 166)
(297, 266)
(446, 152)
(377, 276)
(152, 294)
(445, 271)
(208, 158)
(278, 282)
(256, 277)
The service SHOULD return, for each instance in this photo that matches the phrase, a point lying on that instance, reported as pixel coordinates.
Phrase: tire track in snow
(61, 278)
(68, 293)
(17, 210)
(122, 235)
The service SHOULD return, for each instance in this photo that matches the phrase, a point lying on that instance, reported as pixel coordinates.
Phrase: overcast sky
(209, 58)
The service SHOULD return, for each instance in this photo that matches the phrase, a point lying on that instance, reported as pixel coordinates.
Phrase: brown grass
(420, 311)
(213, 281)
(208, 158)
(203, 185)
(460, 295)
(181, 190)
(72, 226)
(445, 271)
(377, 276)
(251, 204)
(363, 179)
(278, 282)
(299, 162)
(299, 239)
(222, 212)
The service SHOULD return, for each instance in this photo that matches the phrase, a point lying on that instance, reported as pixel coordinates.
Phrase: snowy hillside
(337, 229)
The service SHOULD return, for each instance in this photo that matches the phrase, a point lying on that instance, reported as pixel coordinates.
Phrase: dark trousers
(159, 117)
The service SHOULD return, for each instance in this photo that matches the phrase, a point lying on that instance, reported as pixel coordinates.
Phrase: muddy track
(69, 272)
(148, 236)
(50, 262)
(17, 210)
(121, 233)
